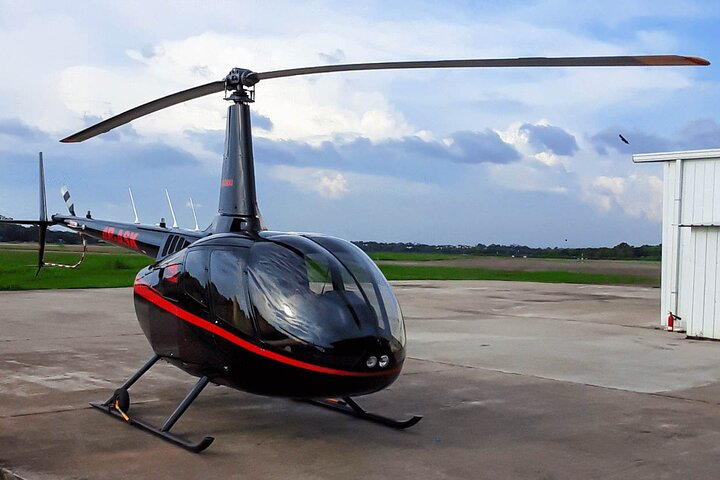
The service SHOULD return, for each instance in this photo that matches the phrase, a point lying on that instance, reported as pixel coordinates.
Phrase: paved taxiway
(516, 380)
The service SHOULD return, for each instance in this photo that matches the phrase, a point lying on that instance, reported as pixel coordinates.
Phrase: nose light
(371, 361)
(384, 361)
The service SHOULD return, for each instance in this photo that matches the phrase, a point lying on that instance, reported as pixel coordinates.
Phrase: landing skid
(348, 406)
(118, 405)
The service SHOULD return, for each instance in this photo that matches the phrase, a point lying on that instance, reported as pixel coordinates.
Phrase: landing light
(384, 360)
(371, 361)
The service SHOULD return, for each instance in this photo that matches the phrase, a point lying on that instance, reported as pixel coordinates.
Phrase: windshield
(371, 280)
(303, 294)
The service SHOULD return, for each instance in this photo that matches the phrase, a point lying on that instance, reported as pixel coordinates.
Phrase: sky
(462, 156)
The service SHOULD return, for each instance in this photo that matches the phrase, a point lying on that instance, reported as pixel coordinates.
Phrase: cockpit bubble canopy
(320, 290)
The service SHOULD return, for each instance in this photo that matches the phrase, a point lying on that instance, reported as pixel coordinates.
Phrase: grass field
(417, 272)
(108, 266)
(413, 257)
(97, 271)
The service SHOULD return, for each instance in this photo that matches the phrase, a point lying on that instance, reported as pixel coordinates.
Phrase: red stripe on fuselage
(154, 297)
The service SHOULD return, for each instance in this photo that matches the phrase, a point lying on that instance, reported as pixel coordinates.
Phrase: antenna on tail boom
(172, 211)
(192, 207)
(132, 202)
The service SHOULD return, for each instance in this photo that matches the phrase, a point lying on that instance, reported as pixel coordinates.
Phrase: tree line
(621, 251)
(20, 233)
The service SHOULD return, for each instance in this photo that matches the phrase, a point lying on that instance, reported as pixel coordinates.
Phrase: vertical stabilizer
(42, 200)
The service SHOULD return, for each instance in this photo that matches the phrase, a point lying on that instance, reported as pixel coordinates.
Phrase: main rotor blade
(625, 61)
(247, 78)
(150, 107)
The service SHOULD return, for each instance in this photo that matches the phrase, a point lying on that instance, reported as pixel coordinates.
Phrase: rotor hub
(239, 78)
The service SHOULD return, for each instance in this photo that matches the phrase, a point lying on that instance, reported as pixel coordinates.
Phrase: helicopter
(297, 315)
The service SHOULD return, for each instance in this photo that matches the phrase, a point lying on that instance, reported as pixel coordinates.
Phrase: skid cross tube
(348, 406)
(111, 407)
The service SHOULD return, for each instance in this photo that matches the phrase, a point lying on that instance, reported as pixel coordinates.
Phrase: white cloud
(336, 184)
(636, 195)
(331, 186)
(525, 176)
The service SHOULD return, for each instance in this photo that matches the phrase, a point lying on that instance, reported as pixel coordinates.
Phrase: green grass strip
(415, 257)
(97, 271)
(411, 272)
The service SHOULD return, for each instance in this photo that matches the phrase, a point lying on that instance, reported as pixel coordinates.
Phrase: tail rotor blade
(68, 201)
(41, 247)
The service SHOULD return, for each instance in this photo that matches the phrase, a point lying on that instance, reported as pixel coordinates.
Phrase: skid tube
(348, 406)
(112, 408)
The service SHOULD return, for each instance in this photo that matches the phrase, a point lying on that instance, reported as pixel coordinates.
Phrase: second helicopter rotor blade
(614, 61)
(150, 107)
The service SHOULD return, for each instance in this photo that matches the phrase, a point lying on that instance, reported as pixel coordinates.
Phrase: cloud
(531, 177)
(481, 147)
(335, 184)
(636, 195)
(699, 134)
(695, 135)
(260, 121)
(550, 138)
(402, 157)
(336, 56)
(15, 127)
(609, 139)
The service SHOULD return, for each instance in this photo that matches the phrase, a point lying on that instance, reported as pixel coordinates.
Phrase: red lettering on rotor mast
(227, 182)
(124, 238)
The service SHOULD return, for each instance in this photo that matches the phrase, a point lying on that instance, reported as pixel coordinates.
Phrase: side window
(228, 287)
(170, 270)
(195, 280)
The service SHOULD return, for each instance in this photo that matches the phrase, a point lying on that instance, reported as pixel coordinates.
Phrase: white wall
(691, 242)
(700, 286)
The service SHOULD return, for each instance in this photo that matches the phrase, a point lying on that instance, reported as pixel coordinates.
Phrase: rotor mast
(237, 209)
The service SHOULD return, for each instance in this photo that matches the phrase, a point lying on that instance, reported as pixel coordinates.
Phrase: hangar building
(690, 239)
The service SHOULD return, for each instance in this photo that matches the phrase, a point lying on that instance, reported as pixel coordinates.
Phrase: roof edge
(679, 155)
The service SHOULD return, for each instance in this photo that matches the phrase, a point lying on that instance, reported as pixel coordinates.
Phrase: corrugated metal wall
(701, 192)
(669, 232)
(701, 284)
(691, 245)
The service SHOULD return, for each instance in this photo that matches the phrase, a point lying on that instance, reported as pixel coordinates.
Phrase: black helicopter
(304, 316)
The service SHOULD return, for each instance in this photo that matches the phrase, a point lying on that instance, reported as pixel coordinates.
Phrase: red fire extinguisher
(671, 321)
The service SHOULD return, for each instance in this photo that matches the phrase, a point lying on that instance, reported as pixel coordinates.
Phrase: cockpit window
(371, 280)
(302, 295)
(170, 270)
(195, 281)
(310, 297)
(227, 287)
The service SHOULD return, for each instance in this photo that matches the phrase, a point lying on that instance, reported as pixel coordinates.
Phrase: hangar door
(700, 281)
